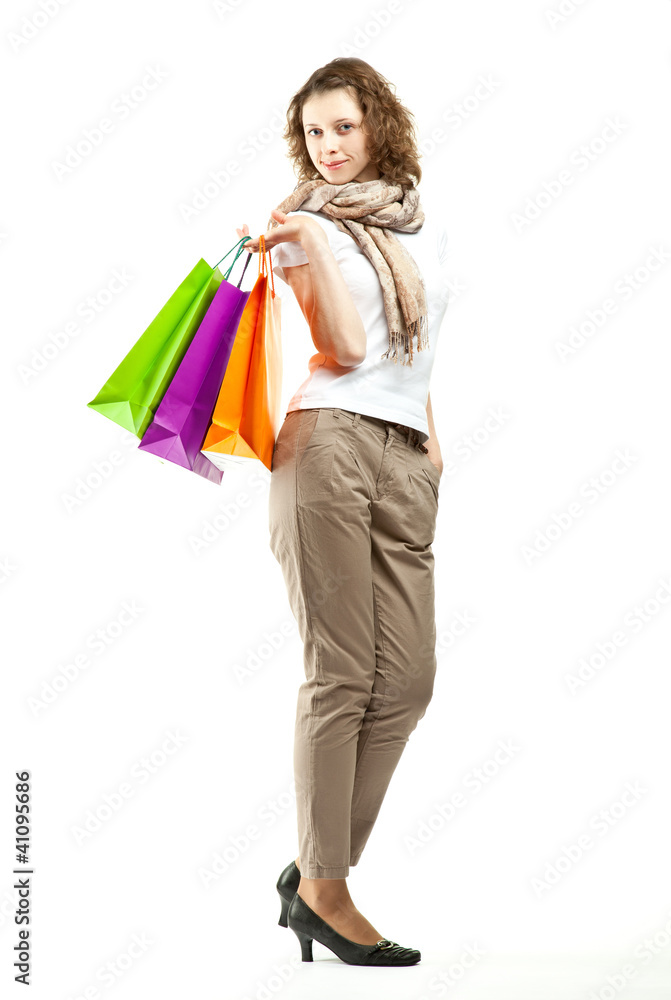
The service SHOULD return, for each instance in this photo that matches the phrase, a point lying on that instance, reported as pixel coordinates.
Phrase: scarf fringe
(418, 328)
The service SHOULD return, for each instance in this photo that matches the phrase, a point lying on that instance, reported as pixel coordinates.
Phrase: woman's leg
(334, 474)
(320, 523)
(321, 538)
(404, 509)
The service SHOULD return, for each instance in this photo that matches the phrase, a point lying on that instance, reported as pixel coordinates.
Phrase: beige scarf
(370, 211)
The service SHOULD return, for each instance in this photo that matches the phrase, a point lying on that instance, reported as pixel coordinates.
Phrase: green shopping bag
(133, 391)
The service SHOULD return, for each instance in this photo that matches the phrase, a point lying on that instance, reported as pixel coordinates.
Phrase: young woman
(355, 480)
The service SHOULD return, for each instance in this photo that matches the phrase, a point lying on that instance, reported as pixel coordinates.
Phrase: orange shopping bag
(246, 416)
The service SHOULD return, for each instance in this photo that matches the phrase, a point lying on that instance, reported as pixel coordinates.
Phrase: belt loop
(357, 418)
(336, 411)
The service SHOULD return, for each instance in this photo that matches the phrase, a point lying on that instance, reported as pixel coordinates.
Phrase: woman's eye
(344, 125)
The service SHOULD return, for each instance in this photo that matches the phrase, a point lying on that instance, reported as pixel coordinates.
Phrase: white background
(534, 83)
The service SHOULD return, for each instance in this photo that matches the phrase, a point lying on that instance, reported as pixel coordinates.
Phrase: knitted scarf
(370, 211)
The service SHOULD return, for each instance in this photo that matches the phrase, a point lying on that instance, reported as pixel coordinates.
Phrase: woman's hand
(321, 291)
(295, 227)
(433, 454)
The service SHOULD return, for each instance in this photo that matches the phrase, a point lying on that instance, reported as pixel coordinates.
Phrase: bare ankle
(329, 894)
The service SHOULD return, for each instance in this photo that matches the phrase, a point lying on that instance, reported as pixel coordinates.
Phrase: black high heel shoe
(287, 884)
(308, 926)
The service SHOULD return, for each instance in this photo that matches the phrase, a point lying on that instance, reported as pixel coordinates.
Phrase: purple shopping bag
(183, 416)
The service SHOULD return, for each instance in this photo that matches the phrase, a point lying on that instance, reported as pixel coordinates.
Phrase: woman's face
(332, 131)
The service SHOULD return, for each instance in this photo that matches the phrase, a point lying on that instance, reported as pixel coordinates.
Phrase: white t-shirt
(378, 387)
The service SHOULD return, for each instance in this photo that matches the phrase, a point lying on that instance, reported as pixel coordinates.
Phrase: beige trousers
(352, 515)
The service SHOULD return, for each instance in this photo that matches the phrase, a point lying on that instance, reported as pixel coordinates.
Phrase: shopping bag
(246, 415)
(182, 417)
(133, 391)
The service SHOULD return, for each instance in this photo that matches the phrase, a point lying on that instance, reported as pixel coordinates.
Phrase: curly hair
(389, 126)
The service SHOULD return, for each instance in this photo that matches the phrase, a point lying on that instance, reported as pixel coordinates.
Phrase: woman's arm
(321, 290)
(432, 446)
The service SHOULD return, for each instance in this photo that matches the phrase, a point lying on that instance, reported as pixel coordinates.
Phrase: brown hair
(388, 125)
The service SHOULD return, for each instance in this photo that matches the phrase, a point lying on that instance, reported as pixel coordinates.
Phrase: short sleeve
(287, 255)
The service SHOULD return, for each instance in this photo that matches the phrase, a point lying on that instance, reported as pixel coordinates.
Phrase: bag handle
(263, 262)
(240, 248)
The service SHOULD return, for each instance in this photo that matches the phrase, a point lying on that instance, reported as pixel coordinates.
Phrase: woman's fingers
(245, 232)
(253, 244)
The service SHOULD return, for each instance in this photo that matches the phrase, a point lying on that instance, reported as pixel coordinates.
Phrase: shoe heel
(306, 945)
(283, 915)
